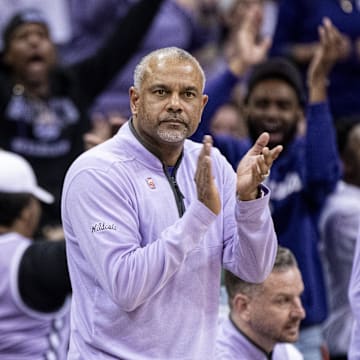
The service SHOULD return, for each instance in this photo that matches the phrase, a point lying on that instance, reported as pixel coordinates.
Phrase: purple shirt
(339, 223)
(146, 282)
(354, 297)
(26, 334)
(231, 344)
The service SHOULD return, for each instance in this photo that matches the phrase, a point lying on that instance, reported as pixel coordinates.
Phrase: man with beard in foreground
(150, 218)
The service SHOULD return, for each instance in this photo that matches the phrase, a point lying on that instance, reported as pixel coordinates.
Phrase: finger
(260, 171)
(205, 148)
(325, 34)
(331, 32)
(267, 158)
(328, 28)
(249, 20)
(204, 177)
(265, 44)
(275, 152)
(262, 166)
(208, 142)
(260, 143)
(117, 122)
(205, 151)
(327, 22)
(207, 138)
(92, 140)
(322, 36)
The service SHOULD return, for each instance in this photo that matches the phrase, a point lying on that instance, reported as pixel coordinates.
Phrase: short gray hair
(168, 52)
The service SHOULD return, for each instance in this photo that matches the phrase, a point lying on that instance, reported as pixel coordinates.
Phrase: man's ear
(134, 98)
(25, 218)
(26, 213)
(241, 305)
(205, 99)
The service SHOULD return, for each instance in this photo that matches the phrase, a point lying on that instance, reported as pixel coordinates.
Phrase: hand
(332, 45)
(254, 167)
(195, 7)
(189, 5)
(53, 233)
(207, 192)
(104, 127)
(247, 50)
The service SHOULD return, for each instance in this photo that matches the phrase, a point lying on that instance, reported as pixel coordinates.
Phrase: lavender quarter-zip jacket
(146, 281)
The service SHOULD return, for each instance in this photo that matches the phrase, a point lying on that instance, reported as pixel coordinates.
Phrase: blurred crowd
(287, 67)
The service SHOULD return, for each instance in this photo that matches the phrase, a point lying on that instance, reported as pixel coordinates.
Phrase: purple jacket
(146, 280)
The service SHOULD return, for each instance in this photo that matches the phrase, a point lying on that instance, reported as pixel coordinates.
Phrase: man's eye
(21, 36)
(262, 104)
(281, 301)
(189, 94)
(284, 105)
(42, 35)
(160, 92)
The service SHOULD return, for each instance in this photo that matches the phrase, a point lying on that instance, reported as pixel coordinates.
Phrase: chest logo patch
(101, 226)
(150, 183)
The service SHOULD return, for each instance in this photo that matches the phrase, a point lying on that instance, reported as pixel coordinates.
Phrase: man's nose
(174, 103)
(273, 111)
(33, 38)
(298, 310)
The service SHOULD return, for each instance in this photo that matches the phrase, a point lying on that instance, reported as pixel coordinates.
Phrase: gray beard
(172, 135)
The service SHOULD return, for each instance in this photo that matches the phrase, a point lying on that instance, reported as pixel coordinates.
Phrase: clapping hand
(254, 167)
(205, 184)
(326, 55)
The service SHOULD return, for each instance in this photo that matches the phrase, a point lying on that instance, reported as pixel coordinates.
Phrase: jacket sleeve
(250, 241)
(322, 159)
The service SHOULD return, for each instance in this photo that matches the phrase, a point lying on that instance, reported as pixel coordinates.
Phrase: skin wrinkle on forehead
(158, 66)
(27, 27)
(277, 277)
(284, 279)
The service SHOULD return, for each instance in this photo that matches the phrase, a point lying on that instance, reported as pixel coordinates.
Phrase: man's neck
(264, 345)
(167, 154)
